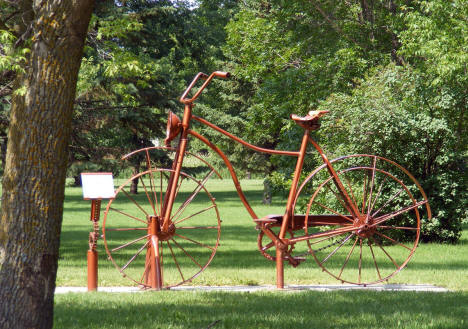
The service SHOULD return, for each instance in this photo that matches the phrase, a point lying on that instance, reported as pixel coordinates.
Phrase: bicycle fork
(160, 225)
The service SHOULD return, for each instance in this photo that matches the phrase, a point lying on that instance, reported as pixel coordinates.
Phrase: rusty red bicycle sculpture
(357, 216)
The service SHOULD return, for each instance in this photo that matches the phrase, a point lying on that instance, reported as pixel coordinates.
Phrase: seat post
(293, 190)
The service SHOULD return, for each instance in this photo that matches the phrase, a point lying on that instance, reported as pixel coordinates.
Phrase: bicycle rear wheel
(377, 243)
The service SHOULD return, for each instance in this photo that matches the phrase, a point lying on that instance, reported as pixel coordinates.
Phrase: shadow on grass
(359, 309)
(232, 251)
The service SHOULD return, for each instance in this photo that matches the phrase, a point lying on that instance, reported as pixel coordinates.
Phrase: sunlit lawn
(238, 262)
(311, 309)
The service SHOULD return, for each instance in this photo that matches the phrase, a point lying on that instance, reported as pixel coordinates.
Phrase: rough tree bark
(34, 178)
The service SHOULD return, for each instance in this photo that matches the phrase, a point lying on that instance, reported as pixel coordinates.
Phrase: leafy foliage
(387, 116)
(138, 59)
(392, 73)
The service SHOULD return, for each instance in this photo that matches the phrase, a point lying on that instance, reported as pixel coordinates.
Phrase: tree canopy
(392, 73)
(398, 66)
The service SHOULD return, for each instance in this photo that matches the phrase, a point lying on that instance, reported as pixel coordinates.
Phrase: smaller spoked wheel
(138, 245)
(365, 221)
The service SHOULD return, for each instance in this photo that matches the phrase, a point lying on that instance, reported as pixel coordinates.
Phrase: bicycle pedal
(295, 261)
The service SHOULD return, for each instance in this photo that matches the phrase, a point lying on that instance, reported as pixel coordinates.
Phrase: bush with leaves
(388, 115)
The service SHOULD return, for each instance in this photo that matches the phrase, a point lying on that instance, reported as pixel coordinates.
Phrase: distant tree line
(393, 74)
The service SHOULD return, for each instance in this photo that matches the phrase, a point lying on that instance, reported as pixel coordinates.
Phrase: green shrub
(389, 116)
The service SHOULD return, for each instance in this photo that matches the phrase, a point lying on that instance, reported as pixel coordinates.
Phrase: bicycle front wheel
(133, 236)
(378, 242)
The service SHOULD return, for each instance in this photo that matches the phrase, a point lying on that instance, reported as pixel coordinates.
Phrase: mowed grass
(311, 309)
(238, 262)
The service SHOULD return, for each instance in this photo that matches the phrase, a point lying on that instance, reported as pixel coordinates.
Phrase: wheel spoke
(153, 190)
(268, 246)
(371, 188)
(175, 261)
(148, 161)
(327, 234)
(181, 180)
(328, 223)
(373, 257)
(378, 194)
(338, 197)
(130, 216)
(152, 185)
(397, 227)
(127, 229)
(360, 260)
(130, 243)
(145, 272)
(193, 241)
(388, 201)
(364, 194)
(384, 218)
(148, 195)
(394, 241)
(336, 249)
(331, 210)
(326, 238)
(186, 253)
(192, 196)
(134, 256)
(136, 203)
(193, 215)
(351, 189)
(197, 227)
(386, 253)
(348, 256)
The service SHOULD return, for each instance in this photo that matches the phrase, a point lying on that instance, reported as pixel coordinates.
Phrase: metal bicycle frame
(280, 242)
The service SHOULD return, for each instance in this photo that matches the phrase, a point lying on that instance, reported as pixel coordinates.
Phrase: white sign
(98, 185)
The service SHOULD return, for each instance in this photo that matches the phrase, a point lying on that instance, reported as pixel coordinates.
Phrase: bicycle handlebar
(207, 79)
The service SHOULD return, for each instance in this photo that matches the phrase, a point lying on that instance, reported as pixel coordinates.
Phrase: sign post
(96, 186)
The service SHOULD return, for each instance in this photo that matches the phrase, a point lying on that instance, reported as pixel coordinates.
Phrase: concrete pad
(326, 287)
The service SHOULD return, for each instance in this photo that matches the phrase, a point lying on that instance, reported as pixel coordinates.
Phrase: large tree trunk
(37, 152)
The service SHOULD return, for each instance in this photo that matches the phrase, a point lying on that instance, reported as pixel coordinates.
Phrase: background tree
(34, 177)
(138, 59)
(377, 65)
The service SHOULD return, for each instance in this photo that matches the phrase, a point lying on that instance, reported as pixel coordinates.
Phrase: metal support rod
(92, 270)
(279, 265)
(92, 256)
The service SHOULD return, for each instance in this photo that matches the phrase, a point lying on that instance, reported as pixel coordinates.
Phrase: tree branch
(335, 26)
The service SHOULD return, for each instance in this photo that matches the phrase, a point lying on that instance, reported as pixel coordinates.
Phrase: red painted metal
(92, 255)
(365, 226)
(145, 228)
(288, 219)
(353, 220)
(237, 139)
(231, 171)
(92, 270)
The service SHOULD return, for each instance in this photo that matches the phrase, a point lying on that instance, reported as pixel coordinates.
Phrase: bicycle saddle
(310, 121)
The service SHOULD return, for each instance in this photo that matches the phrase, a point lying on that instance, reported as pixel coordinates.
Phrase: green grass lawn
(238, 262)
(311, 309)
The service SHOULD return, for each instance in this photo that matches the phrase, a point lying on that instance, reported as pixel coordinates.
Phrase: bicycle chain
(330, 245)
(323, 248)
